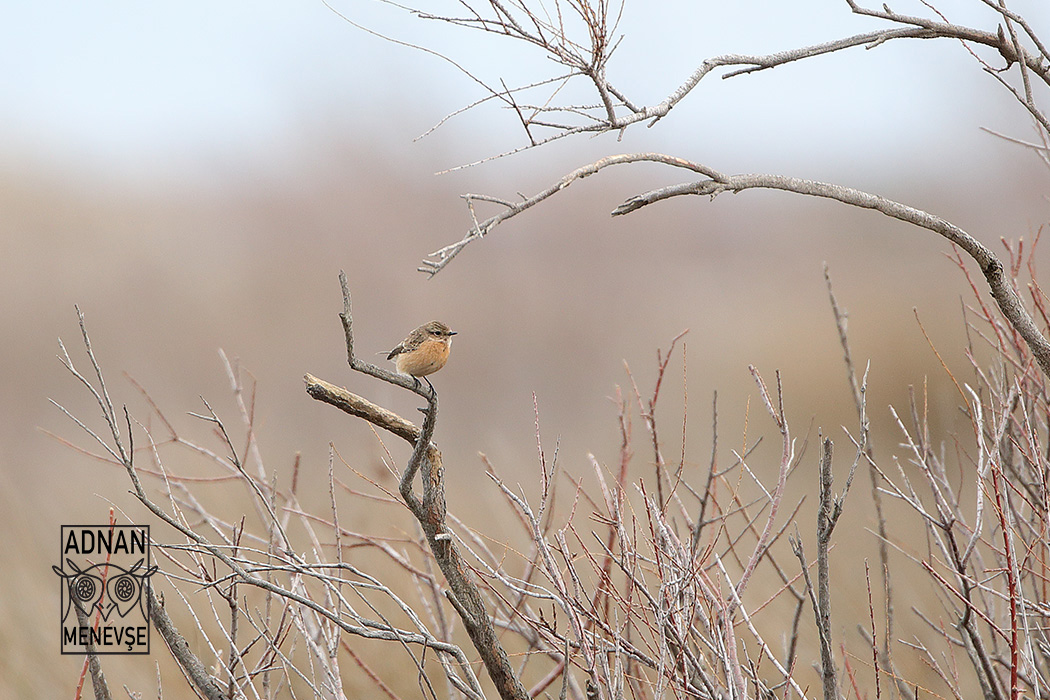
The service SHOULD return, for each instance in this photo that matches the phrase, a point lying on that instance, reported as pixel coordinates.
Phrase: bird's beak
(452, 332)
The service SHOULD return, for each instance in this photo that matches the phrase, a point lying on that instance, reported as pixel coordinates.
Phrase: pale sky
(112, 85)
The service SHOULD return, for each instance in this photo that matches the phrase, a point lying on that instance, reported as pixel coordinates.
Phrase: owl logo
(122, 590)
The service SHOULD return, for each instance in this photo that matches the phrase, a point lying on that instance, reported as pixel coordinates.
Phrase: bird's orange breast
(428, 358)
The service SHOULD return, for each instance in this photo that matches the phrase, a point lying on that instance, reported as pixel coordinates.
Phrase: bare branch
(429, 510)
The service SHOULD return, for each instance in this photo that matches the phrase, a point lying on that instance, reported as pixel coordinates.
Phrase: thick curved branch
(994, 273)
(991, 267)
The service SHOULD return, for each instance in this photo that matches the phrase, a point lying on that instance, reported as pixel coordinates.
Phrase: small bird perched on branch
(424, 351)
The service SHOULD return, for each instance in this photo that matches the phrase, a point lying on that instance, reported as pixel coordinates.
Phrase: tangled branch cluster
(649, 583)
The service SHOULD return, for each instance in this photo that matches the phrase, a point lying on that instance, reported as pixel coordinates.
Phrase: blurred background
(194, 176)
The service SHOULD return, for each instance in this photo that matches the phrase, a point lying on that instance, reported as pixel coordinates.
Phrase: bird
(424, 351)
